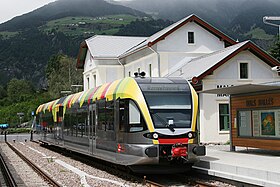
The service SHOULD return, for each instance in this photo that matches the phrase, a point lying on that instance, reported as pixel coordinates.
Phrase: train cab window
(131, 119)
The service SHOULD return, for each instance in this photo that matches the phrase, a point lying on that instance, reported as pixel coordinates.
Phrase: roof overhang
(242, 89)
(250, 46)
(203, 24)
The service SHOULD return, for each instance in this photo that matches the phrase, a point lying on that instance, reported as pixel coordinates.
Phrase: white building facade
(189, 48)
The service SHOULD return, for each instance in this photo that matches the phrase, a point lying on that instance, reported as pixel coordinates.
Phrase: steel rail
(35, 168)
(9, 179)
(151, 183)
(204, 184)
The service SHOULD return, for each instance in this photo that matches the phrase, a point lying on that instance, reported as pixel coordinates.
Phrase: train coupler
(179, 150)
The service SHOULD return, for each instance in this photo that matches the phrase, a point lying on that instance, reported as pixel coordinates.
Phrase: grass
(88, 25)
(8, 35)
(18, 130)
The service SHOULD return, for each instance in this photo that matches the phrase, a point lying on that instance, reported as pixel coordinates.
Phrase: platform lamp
(272, 18)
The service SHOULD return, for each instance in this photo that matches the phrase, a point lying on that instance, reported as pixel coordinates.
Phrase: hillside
(66, 8)
(240, 19)
(25, 49)
(27, 42)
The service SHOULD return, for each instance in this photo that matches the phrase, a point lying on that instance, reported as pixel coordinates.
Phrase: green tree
(275, 50)
(19, 90)
(61, 74)
(3, 92)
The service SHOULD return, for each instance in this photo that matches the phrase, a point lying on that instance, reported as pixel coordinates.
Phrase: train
(146, 124)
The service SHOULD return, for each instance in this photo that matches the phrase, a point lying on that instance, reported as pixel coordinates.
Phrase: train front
(173, 105)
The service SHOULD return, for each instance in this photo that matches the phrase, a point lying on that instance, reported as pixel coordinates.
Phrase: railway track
(149, 180)
(40, 172)
(141, 180)
(8, 177)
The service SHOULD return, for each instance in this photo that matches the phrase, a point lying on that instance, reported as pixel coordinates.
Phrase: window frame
(248, 70)
(256, 122)
(129, 126)
(219, 117)
(191, 42)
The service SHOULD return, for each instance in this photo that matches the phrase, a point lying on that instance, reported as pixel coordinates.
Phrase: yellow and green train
(147, 124)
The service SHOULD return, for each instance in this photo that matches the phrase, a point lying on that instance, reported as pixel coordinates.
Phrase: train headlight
(191, 135)
(155, 136)
(151, 135)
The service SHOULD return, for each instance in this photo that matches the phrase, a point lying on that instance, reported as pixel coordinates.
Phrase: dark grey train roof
(246, 88)
(163, 84)
(161, 80)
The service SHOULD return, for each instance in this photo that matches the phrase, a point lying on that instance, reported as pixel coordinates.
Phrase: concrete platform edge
(230, 176)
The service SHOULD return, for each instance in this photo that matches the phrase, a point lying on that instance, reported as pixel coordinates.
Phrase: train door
(105, 131)
(92, 126)
(59, 127)
(121, 121)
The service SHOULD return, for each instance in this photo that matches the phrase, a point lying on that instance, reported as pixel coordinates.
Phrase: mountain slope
(26, 50)
(252, 17)
(66, 8)
(235, 18)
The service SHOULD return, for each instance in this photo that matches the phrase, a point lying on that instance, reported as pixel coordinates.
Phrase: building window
(190, 37)
(150, 70)
(129, 74)
(224, 117)
(243, 70)
(259, 123)
(138, 70)
(87, 82)
(94, 81)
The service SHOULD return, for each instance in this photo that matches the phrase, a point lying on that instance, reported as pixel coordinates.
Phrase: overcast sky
(12, 8)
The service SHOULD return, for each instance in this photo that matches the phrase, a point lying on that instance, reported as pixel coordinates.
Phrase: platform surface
(248, 165)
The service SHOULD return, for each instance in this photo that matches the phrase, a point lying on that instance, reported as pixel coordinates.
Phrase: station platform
(248, 165)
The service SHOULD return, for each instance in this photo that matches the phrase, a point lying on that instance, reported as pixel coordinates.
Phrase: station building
(255, 114)
(190, 48)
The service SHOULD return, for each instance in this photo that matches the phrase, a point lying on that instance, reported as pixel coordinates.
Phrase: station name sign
(259, 102)
(165, 88)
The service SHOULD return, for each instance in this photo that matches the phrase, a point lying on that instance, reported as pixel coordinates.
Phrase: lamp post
(76, 87)
(20, 115)
(65, 92)
(272, 18)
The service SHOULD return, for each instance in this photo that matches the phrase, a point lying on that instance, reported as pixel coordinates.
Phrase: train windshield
(170, 109)
(169, 101)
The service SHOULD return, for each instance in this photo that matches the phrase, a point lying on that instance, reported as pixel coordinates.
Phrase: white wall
(103, 74)
(101, 71)
(205, 42)
(174, 48)
(143, 64)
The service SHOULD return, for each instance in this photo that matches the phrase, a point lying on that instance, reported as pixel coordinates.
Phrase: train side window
(110, 115)
(136, 121)
(82, 126)
(67, 124)
(131, 119)
(47, 123)
(92, 120)
(101, 114)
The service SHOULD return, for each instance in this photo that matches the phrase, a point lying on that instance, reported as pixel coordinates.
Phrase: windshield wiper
(169, 126)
